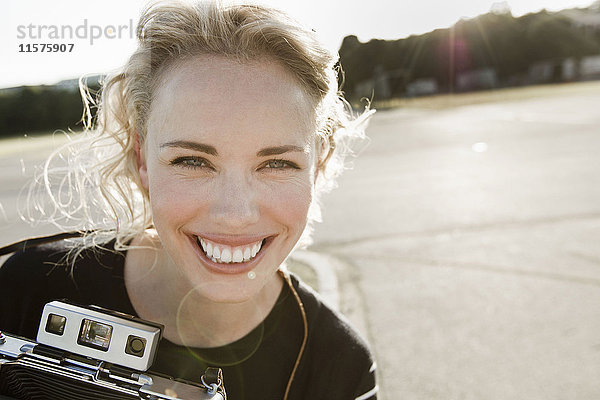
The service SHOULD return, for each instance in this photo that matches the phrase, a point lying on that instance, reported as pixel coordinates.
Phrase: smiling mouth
(225, 254)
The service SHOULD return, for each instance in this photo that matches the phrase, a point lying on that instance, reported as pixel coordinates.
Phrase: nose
(235, 205)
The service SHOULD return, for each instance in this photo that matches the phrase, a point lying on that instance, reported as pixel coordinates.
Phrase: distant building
(555, 70)
(569, 69)
(565, 70)
(589, 67)
(422, 87)
(484, 78)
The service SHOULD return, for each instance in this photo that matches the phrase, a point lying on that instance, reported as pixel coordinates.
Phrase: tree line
(40, 109)
(500, 41)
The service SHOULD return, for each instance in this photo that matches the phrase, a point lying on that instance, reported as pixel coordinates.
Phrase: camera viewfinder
(56, 324)
(95, 335)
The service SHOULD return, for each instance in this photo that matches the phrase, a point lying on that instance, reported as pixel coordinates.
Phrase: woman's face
(229, 163)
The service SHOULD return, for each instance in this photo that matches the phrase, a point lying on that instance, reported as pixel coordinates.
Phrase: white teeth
(237, 255)
(227, 254)
(256, 248)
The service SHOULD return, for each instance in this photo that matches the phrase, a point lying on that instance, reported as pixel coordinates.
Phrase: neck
(204, 323)
(159, 295)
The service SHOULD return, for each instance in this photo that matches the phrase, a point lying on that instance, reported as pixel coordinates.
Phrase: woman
(213, 143)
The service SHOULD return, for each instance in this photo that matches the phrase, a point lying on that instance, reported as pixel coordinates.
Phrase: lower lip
(228, 268)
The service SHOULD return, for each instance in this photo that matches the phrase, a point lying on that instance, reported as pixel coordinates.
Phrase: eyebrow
(208, 149)
(273, 151)
(204, 148)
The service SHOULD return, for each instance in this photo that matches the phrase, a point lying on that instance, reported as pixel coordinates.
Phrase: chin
(229, 289)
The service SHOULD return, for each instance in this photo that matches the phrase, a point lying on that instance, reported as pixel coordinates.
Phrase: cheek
(173, 199)
(290, 202)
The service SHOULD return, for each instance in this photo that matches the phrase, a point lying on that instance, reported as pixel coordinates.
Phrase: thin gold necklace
(286, 277)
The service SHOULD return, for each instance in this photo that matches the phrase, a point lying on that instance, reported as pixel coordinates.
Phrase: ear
(141, 162)
(325, 147)
(320, 150)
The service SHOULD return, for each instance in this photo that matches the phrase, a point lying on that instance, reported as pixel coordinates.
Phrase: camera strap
(212, 380)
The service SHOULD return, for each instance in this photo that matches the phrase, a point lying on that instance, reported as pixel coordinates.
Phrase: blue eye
(280, 164)
(191, 162)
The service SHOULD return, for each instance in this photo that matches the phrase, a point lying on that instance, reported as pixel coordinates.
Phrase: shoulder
(326, 324)
(33, 276)
(28, 280)
(57, 262)
(336, 352)
(34, 264)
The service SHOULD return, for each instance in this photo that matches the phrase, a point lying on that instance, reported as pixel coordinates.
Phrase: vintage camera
(93, 353)
(101, 334)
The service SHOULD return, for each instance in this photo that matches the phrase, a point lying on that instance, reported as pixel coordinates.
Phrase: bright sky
(333, 20)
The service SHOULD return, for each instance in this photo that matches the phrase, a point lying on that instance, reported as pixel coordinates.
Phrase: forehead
(221, 98)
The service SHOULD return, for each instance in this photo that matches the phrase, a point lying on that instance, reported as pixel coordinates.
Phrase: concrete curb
(324, 267)
(343, 294)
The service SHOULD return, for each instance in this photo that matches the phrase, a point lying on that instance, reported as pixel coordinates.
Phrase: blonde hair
(99, 189)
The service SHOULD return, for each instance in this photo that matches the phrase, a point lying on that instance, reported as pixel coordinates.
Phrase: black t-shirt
(336, 363)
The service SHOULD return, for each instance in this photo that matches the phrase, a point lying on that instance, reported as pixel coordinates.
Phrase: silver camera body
(92, 353)
(99, 333)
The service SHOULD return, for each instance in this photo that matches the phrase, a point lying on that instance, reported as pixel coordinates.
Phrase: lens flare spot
(480, 147)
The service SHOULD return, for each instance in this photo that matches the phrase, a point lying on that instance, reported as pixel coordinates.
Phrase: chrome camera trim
(20, 353)
(123, 327)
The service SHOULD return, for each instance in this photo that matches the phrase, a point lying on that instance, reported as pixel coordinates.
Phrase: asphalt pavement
(463, 244)
(472, 237)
